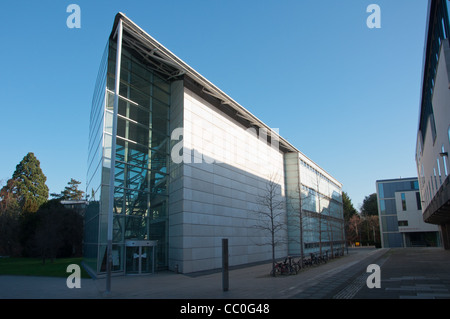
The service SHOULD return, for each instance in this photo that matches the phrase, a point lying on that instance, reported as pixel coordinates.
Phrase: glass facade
(141, 161)
(388, 214)
(318, 205)
(95, 167)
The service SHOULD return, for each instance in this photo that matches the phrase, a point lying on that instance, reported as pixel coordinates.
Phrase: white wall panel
(223, 194)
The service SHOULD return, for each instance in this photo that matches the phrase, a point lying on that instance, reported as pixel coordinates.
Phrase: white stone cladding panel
(176, 228)
(429, 184)
(226, 170)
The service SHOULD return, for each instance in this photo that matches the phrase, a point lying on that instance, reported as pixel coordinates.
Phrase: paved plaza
(422, 273)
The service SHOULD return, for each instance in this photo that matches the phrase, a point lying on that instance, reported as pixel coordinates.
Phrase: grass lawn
(35, 267)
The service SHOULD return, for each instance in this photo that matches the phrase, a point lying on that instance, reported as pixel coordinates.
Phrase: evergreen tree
(9, 224)
(349, 209)
(58, 232)
(370, 206)
(27, 185)
(70, 192)
(351, 218)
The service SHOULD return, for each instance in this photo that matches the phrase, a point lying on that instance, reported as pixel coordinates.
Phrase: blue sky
(345, 95)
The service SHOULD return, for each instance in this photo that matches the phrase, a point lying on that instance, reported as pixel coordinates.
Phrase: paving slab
(252, 282)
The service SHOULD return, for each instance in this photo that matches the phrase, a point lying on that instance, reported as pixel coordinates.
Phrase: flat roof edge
(397, 179)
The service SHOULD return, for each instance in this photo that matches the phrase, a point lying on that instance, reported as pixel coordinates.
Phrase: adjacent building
(433, 136)
(400, 215)
(175, 165)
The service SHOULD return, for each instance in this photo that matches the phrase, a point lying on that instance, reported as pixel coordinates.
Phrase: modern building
(191, 166)
(433, 136)
(400, 215)
(77, 205)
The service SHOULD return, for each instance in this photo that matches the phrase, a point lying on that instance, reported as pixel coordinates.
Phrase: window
(439, 170)
(443, 28)
(380, 190)
(402, 223)
(448, 133)
(382, 207)
(403, 201)
(422, 174)
(430, 187)
(444, 159)
(433, 127)
(435, 179)
(418, 201)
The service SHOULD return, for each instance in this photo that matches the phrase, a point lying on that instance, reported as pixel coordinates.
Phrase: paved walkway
(411, 273)
(406, 273)
(324, 281)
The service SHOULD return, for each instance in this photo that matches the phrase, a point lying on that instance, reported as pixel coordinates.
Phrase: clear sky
(345, 95)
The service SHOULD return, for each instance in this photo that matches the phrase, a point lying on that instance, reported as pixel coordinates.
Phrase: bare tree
(312, 210)
(354, 225)
(298, 204)
(323, 214)
(320, 211)
(271, 212)
(334, 226)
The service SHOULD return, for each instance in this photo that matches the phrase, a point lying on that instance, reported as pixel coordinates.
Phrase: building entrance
(140, 256)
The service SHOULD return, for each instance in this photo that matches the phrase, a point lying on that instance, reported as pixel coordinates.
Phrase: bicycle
(299, 264)
(284, 268)
(278, 269)
(324, 258)
(293, 267)
(314, 259)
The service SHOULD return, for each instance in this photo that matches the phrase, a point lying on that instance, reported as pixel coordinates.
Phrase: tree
(312, 211)
(70, 192)
(27, 185)
(9, 224)
(349, 213)
(298, 203)
(320, 212)
(58, 231)
(369, 206)
(330, 219)
(48, 237)
(354, 229)
(371, 229)
(271, 212)
(349, 209)
(321, 215)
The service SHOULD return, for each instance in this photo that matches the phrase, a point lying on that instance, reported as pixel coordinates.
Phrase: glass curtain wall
(140, 183)
(316, 213)
(323, 224)
(95, 167)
